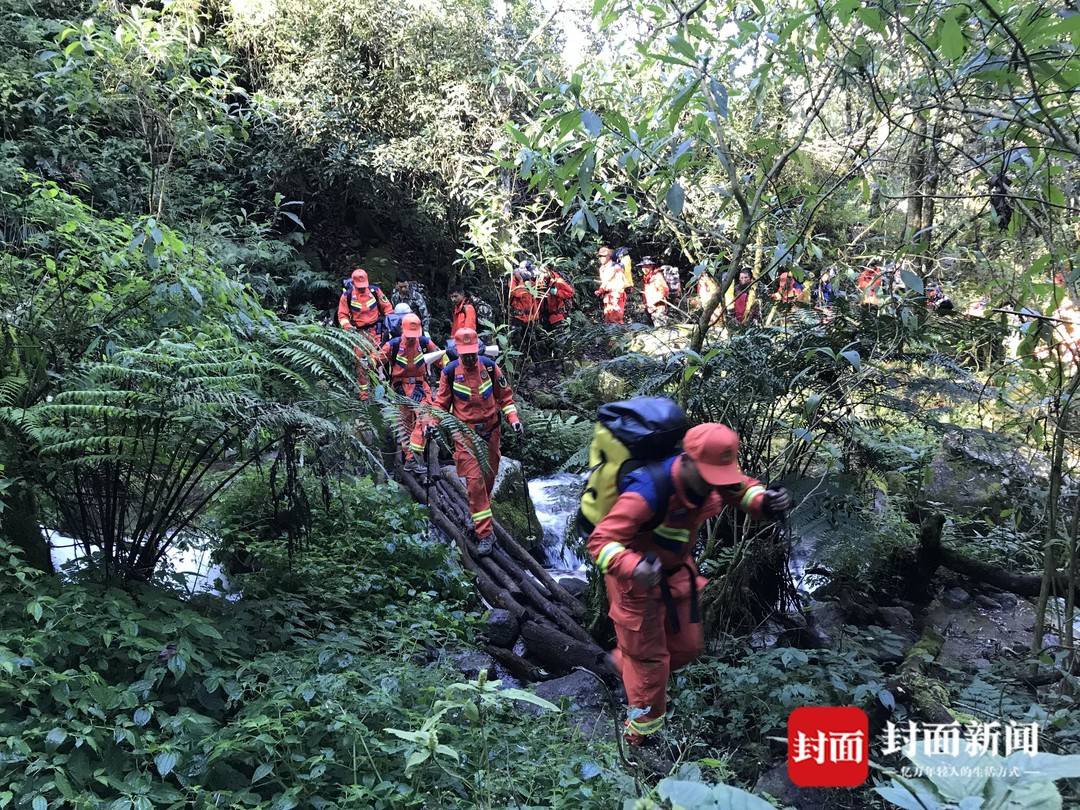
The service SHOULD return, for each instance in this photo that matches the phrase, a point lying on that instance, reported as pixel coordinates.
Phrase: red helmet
(359, 277)
(411, 326)
(466, 341)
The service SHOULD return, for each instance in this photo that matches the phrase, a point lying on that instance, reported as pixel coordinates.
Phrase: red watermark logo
(828, 746)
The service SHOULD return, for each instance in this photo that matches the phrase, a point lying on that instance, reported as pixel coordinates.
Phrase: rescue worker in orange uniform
(869, 284)
(404, 356)
(558, 294)
(524, 300)
(474, 390)
(363, 306)
(612, 289)
(789, 290)
(463, 314)
(651, 579)
(655, 291)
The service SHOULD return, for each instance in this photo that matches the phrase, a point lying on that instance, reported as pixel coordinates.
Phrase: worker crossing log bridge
(511, 579)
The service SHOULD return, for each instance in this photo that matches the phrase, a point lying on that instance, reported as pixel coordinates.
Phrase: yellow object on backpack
(628, 435)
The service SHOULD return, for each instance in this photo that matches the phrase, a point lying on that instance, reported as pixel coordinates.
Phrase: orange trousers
(648, 650)
(413, 434)
(478, 484)
(614, 304)
(364, 362)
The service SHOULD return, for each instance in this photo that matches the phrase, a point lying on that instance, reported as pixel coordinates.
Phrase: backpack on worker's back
(628, 435)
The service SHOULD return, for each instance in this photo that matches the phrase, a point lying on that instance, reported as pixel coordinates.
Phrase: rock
(574, 586)
(582, 697)
(775, 783)
(609, 386)
(471, 663)
(826, 624)
(501, 628)
(1007, 601)
(955, 597)
(977, 473)
(900, 621)
(987, 602)
(513, 508)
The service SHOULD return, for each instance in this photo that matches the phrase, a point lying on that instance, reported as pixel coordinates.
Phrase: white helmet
(402, 309)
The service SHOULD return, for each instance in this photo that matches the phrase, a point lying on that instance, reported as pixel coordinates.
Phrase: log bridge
(547, 615)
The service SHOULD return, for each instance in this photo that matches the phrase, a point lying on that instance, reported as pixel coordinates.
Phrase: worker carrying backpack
(628, 435)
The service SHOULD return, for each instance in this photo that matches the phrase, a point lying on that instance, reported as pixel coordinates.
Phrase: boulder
(955, 597)
(977, 473)
(826, 624)
(574, 586)
(775, 783)
(900, 621)
(501, 628)
(582, 697)
(471, 663)
(512, 506)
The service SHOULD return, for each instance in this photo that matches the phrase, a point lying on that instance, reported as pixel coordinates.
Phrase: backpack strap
(664, 490)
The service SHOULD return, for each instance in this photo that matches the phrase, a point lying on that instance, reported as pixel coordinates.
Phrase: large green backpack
(628, 435)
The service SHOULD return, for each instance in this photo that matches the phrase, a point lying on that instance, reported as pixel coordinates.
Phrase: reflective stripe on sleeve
(509, 409)
(607, 554)
(485, 513)
(671, 533)
(750, 494)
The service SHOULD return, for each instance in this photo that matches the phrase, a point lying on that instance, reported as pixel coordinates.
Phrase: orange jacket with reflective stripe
(463, 317)
(620, 541)
(405, 357)
(362, 310)
(477, 395)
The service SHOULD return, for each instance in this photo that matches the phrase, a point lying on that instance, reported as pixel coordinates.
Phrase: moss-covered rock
(513, 508)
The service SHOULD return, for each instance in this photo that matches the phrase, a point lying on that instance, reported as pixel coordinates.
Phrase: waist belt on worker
(483, 431)
(669, 601)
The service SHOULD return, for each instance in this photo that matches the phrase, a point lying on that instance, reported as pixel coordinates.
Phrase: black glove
(519, 428)
(777, 501)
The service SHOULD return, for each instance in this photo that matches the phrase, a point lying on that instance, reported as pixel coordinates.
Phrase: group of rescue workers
(642, 535)
(471, 385)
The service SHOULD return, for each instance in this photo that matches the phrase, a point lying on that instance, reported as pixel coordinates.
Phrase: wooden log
(517, 666)
(1020, 584)
(560, 653)
(527, 560)
(545, 605)
(913, 684)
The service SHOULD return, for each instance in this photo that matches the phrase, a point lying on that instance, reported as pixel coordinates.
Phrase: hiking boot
(410, 464)
(485, 544)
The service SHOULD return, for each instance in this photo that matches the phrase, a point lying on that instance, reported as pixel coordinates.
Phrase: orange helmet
(411, 326)
(359, 277)
(714, 449)
(466, 341)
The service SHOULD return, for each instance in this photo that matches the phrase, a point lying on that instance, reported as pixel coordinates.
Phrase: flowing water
(556, 499)
(187, 562)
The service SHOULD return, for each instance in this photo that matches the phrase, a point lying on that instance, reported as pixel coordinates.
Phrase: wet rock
(987, 602)
(512, 506)
(775, 783)
(577, 588)
(501, 628)
(900, 621)
(1007, 601)
(582, 697)
(955, 597)
(471, 663)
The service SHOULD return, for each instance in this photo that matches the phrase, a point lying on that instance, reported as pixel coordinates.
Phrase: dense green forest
(185, 184)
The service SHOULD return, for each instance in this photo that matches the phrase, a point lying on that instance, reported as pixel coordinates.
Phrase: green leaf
(5, 798)
(592, 123)
(39, 803)
(528, 697)
(165, 762)
(416, 758)
(912, 281)
(262, 771)
(56, 736)
(871, 18)
(952, 39)
(679, 44)
(675, 199)
(34, 609)
(177, 666)
(853, 357)
(142, 716)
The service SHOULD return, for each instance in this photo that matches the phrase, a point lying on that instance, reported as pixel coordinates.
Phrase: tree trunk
(19, 526)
